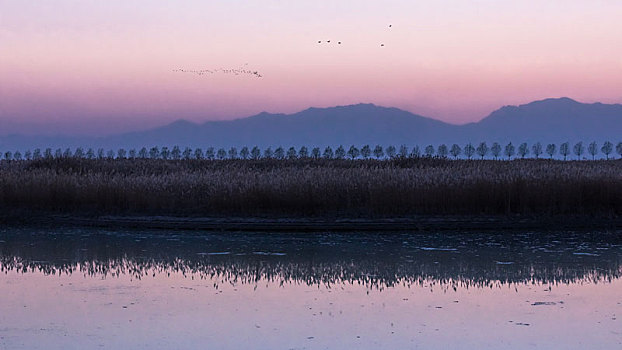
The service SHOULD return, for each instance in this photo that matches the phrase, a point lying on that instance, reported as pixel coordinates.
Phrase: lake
(98, 289)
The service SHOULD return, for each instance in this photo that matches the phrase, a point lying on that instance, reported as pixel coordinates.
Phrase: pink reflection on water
(163, 312)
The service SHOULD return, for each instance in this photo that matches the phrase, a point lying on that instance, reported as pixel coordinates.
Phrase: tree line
(455, 151)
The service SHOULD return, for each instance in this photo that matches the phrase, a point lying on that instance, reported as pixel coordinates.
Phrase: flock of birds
(243, 70)
(234, 71)
(339, 42)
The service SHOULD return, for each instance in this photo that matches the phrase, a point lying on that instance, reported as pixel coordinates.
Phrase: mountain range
(547, 121)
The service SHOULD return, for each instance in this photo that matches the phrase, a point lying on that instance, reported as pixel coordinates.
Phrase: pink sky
(97, 67)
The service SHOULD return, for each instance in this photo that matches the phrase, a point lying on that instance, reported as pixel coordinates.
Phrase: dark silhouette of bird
(328, 41)
(381, 44)
(390, 25)
(319, 41)
(339, 42)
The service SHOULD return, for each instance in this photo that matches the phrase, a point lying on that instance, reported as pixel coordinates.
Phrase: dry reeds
(311, 187)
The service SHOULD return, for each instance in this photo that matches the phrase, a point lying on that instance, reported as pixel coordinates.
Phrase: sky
(97, 67)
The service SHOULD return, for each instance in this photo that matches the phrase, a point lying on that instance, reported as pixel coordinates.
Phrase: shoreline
(302, 224)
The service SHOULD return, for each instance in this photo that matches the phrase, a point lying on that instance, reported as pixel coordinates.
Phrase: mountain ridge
(548, 120)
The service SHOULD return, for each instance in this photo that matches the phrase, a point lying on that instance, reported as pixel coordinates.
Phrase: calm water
(90, 289)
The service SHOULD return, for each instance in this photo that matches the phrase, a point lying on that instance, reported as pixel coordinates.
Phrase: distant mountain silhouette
(550, 120)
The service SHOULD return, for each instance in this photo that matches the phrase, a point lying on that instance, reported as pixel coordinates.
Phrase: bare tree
(536, 149)
(619, 149)
(592, 149)
(210, 154)
(378, 152)
(221, 154)
(415, 152)
(48, 153)
(403, 152)
(279, 153)
(509, 150)
(578, 149)
(141, 154)
(429, 151)
(315, 153)
(353, 152)
(550, 150)
(8, 155)
(564, 149)
(303, 152)
(469, 150)
(17, 155)
(268, 153)
(154, 153)
(482, 150)
(366, 152)
(28, 155)
(523, 150)
(442, 151)
(255, 153)
(607, 149)
(131, 153)
(90, 153)
(391, 152)
(121, 153)
(291, 153)
(328, 153)
(198, 153)
(455, 151)
(340, 152)
(187, 153)
(165, 153)
(110, 154)
(496, 150)
(176, 153)
(232, 153)
(58, 154)
(244, 153)
(36, 154)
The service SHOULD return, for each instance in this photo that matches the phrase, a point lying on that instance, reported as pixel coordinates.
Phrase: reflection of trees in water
(375, 262)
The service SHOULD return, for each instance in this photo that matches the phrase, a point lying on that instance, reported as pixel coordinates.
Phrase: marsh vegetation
(311, 187)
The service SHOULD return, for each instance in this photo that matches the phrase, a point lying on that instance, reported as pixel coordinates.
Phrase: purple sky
(97, 67)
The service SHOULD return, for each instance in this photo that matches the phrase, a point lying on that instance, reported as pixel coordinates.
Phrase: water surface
(97, 289)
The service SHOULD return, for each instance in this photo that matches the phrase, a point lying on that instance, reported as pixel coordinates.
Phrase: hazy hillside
(551, 120)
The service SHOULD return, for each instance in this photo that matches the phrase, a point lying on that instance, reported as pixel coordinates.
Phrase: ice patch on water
(440, 249)
(504, 262)
(214, 253)
(586, 254)
(269, 253)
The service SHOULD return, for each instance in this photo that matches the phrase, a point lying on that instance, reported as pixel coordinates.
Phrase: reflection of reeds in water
(376, 263)
(311, 187)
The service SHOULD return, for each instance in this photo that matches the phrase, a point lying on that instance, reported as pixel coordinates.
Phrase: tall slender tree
(496, 150)
(550, 150)
(366, 152)
(455, 151)
(536, 149)
(482, 150)
(244, 153)
(578, 149)
(607, 149)
(469, 150)
(564, 149)
(509, 150)
(378, 152)
(303, 152)
(592, 149)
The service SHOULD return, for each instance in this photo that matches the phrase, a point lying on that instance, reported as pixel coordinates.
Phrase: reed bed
(311, 187)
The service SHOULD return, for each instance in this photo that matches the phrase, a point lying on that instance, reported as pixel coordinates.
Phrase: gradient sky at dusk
(97, 67)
